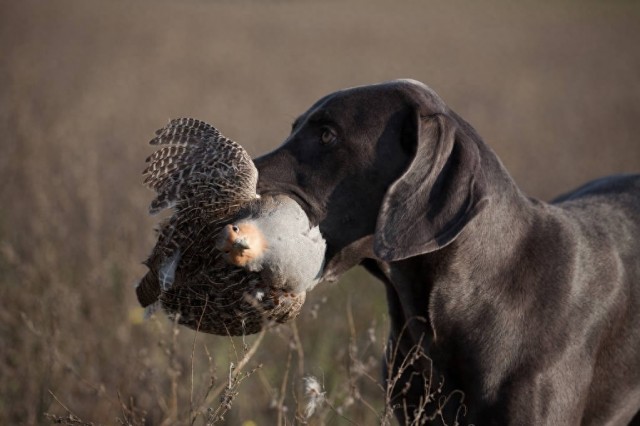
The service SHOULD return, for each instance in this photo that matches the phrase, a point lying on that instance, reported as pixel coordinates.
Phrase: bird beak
(241, 244)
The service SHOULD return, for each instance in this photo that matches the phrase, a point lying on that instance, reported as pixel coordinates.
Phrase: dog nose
(275, 172)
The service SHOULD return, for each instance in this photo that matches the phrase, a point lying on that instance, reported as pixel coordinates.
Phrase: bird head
(242, 244)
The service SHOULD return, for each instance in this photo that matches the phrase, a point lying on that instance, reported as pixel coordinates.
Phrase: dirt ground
(553, 87)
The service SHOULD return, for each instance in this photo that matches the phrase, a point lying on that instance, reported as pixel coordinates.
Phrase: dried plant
(83, 87)
(314, 394)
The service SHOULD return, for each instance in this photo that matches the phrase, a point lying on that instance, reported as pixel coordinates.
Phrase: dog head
(386, 170)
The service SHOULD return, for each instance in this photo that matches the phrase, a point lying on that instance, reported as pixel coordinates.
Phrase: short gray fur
(526, 312)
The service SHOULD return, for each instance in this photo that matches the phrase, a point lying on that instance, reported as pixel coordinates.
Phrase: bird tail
(152, 284)
(148, 289)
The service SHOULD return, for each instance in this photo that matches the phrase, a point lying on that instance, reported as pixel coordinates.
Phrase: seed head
(315, 395)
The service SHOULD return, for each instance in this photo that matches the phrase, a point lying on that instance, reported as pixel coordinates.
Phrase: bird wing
(197, 168)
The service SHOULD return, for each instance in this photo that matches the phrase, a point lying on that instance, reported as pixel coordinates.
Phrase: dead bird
(273, 237)
(227, 261)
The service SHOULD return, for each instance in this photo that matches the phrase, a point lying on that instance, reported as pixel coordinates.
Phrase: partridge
(227, 261)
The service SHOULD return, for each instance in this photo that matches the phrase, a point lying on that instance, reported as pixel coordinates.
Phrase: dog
(526, 312)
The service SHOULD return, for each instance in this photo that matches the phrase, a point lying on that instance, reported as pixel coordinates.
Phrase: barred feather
(197, 167)
(207, 179)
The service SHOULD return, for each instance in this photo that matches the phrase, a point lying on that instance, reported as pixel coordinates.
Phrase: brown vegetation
(553, 87)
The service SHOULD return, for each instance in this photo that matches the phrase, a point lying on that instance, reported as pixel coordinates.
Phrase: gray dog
(531, 310)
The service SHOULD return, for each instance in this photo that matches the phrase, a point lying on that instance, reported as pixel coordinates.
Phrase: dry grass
(553, 87)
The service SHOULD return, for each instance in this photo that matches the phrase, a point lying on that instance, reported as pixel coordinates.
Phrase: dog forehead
(375, 99)
(355, 106)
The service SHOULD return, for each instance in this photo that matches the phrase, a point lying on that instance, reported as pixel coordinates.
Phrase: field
(553, 87)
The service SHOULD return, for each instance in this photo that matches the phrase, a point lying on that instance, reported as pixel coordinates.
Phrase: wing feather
(196, 167)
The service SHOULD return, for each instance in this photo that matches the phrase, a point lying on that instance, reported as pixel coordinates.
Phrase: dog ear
(439, 193)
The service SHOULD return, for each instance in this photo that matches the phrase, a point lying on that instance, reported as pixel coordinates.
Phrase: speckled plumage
(198, 168)
(210, 181)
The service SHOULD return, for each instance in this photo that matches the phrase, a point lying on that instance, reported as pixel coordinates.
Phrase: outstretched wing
(207, 178)
(197, 168)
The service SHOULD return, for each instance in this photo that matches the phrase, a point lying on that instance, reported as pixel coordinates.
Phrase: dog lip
(296, 195)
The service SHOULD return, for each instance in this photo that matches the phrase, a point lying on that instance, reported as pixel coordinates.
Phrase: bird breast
(292, 250)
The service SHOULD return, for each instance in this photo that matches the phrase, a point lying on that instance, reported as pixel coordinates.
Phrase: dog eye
(327, 136)
(235, 229)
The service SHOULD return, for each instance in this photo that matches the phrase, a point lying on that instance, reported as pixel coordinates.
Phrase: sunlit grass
(85, 83)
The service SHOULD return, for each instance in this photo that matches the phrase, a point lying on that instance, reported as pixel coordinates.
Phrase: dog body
(528, 311)
(535, 316)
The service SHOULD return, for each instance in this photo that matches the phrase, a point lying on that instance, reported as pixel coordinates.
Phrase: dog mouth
(297, 195)
(308, 206)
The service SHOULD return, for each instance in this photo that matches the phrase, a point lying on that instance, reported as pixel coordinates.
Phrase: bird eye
(328, 136)
(235, 228)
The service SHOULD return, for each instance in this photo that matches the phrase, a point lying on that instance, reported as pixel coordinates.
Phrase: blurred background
(553, 87)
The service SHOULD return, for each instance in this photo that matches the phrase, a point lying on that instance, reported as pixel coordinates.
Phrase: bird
(227, 261)
(274, 238)
(242, 245)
